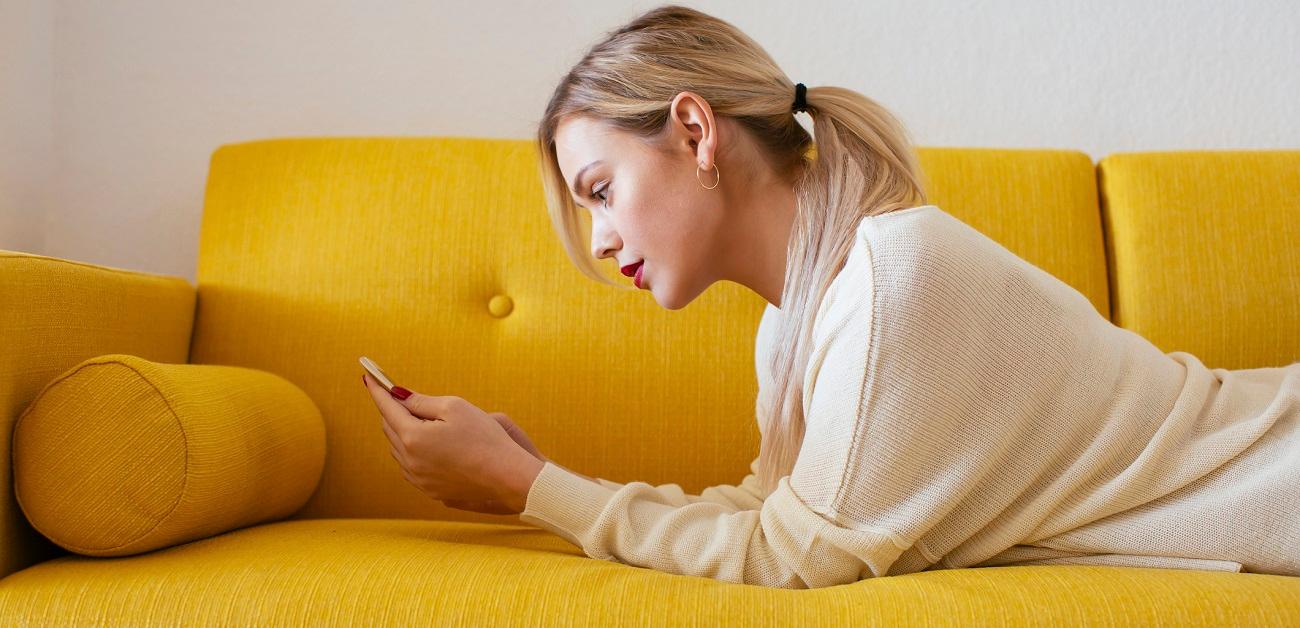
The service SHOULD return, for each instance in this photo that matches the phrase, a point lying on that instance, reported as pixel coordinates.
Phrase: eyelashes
(599, 194)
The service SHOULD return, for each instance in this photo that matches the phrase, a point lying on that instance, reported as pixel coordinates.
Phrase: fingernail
(400, 393)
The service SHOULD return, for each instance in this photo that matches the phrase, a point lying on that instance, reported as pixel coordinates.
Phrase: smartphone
(377, 373)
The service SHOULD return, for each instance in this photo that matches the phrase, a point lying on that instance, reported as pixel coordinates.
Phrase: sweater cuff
(564, 503)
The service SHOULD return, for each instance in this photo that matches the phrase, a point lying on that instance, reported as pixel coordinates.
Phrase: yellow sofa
(434, 256)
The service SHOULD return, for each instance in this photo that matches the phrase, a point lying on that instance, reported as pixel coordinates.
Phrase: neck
(760, 234)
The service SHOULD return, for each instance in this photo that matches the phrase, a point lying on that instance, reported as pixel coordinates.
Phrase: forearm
(784, 543)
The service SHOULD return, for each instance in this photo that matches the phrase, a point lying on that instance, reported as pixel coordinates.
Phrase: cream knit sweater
(965, 408)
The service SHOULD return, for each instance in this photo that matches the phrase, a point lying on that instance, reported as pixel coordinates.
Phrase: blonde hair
(861, 165)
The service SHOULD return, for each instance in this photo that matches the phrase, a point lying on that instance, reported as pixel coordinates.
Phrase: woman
(927, 399)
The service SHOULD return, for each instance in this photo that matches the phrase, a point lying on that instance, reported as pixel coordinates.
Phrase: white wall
(26, 122)
(143, 91)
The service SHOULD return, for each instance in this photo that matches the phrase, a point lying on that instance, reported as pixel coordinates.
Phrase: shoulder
(921, 238)
(924, 257)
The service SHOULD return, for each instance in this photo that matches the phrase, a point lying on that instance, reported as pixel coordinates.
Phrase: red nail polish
(400, 393)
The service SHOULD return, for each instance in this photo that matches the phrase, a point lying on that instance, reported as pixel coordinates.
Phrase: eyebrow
(577, 179)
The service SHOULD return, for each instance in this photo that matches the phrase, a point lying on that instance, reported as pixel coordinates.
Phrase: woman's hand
(517, 434)
(453, 451)
(493, 506)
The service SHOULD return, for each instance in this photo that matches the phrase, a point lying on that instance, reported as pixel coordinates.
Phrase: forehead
(580, 140)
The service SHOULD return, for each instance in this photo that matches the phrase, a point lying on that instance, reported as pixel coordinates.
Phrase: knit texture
(965, 408)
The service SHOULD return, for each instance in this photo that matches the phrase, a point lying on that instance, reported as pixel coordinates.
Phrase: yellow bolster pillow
(120, 455)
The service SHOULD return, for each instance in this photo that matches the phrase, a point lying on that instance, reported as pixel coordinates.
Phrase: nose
(603, 241)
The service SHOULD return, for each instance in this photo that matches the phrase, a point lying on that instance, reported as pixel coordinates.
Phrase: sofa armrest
(55, 313)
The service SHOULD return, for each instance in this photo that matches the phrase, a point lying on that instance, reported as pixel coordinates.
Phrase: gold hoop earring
(715, 183)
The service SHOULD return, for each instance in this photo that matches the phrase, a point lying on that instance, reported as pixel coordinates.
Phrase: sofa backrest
(1204, 252)
(1040, 204)
(435, 258)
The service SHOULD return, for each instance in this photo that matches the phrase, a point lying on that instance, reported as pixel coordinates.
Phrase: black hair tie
(799, 103)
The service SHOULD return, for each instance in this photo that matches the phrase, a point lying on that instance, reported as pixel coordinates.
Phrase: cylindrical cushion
(120, 455)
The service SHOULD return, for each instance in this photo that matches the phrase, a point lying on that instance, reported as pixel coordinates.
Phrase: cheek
(664, 227)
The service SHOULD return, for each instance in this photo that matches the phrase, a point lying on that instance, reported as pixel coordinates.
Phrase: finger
(394, 440)
(428, 407)
(418, 406)
(395, 414)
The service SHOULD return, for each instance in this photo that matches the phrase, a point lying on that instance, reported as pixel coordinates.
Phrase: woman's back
(972, 404)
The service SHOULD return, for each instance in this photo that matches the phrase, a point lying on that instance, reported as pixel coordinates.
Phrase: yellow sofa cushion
(121, 455)
(1204, 252)
(54, 313)
(406, 572)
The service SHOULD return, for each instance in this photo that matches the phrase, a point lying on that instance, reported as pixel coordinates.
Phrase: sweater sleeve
(748, 495)
(783, 543)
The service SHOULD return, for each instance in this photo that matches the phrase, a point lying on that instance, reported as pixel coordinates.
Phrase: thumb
(423, 406)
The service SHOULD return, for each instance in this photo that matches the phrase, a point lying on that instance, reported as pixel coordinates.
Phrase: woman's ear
(692, 116)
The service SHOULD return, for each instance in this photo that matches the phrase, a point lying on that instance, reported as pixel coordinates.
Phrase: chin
(665, 300)
(669, 304)
(671, 299)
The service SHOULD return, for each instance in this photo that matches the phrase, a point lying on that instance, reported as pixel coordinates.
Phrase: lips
(630, 269)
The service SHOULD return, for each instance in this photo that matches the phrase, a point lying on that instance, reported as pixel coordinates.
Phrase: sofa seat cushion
(406, 571)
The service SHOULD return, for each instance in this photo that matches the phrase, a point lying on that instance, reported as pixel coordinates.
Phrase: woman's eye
(599, 194)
